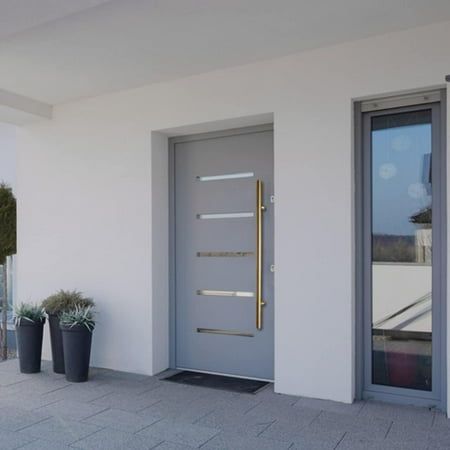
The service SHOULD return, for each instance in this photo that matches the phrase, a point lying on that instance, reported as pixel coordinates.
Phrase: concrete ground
(124, 411)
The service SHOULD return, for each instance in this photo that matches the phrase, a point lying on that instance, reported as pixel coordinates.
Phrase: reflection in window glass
(401, 249)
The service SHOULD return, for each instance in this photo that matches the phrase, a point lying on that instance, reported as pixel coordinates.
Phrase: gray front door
(223, 208)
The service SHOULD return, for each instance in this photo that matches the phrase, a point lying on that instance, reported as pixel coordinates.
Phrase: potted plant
(29, 321)
(77, 326)
(54, 306)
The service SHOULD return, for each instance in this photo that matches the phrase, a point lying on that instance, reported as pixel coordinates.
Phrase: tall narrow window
(401, 249)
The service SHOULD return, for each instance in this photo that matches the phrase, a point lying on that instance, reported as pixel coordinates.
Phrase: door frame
(173, 141)
(439, 278)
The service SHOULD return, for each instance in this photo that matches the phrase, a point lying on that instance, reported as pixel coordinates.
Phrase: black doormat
(240, 385)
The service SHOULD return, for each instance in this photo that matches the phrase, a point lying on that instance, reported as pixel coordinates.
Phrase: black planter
(77, 352)
(57, 344)
(29, 345)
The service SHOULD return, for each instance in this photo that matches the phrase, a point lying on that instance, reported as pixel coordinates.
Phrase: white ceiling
(58, 50)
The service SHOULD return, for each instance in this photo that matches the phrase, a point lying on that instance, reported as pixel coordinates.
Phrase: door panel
(401, 214)
(215, 270)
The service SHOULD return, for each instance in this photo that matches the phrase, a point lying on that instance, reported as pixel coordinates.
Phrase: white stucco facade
(93, 201)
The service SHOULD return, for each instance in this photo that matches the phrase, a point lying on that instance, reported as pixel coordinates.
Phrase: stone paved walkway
(132, 412)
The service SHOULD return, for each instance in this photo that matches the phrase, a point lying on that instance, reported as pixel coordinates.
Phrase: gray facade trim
(221, 133)
(400, 101)
(359, 254)
(362, 281)
(444, 243)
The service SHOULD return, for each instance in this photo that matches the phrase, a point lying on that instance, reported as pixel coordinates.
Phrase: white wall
(85, 216)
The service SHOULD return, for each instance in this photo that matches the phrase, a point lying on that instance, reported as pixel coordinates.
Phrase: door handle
(260, 208)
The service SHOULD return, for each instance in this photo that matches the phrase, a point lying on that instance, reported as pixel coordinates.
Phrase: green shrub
(7, 222)
(64, 301)
(28, 312)
(80, 315)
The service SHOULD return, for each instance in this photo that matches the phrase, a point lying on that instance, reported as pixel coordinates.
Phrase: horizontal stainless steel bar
(226, 176)
(236, 215)
(219, 293)
(224, 254)
(225, 332)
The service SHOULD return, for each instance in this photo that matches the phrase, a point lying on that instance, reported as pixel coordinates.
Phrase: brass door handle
(260, 208)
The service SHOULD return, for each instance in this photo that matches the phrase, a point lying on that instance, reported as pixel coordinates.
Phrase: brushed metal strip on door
(219, 293)
(224, 332)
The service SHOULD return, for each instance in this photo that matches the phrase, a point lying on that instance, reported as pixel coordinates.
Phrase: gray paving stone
(14, 419)
(10, 365)
(438, 446)
(10, 440)
(268, 395)
(234, 422)
(126, 401)
(59, 430)
(148, 413)
(69, 409)
(351, 442)
(402, 413)
(138, 443)
(119, 375)
(287, 422)
(82, 392)
(191, 412)
(366, 427)
(179, 432)
(179, 393)
(290, 414)
(200, 407)
(25, 402)
(439, 437)
(41, 444)
(285, 430)
(123, 420)
(172, 446)
(441, 420)
(308, 439)
(327, 405)
(231, 441)
(108, 439)
(130, 386)
(403, 432)
(38, 386)
(9, 379)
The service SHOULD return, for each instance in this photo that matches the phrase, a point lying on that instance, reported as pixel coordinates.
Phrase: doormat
(239, 385)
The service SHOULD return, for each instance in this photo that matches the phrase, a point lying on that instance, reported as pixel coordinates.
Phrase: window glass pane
(401, 250)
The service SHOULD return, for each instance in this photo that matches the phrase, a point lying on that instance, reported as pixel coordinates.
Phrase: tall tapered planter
(77, 341)
(56, 343)
(29, 345)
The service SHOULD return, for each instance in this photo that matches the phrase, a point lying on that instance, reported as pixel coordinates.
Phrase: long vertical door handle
(260, 208)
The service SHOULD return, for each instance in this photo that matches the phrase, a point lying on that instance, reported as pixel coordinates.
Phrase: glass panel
(401, 250)
(227, 176)
(225, 215)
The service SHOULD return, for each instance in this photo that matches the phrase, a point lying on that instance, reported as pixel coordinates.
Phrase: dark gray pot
(77, 352)
(57, 343)
(29, 345)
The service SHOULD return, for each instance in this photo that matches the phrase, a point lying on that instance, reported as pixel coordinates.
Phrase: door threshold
(268, 380)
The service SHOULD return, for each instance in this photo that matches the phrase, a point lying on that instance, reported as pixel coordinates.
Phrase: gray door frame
(438, 397)
(172, 217)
